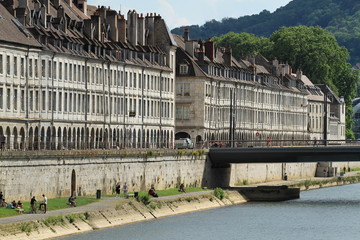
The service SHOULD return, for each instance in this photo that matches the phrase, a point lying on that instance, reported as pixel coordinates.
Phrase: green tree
(243, 44)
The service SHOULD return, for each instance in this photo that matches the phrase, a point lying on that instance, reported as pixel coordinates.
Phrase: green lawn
(53, 204)
(167, 192)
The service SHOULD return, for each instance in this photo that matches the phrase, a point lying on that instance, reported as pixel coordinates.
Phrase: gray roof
(13, 32)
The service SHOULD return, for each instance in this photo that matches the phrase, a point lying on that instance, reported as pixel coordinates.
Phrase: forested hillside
(340, 17)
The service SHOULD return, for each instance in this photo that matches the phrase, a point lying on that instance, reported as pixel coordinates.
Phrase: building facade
(82, 79)
(219, 98)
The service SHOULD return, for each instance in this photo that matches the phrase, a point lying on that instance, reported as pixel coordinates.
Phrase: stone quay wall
(59, 173)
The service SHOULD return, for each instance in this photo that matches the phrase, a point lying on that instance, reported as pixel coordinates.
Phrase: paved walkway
(111, 202)
(104, 203)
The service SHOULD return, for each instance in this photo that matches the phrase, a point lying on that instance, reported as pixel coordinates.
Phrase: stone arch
(16, 140)
(114, 139)
(106, 139)
(87, 136)
(48, 137)
(179, 135)
(78, 139)
(97, 139)
(147, 138)
(8, 138)
(139, 139)
(59, 145)
(101, 138)
(64, 141)
(31, 139)
(134, 138)
(36, 139)
(69, 143)
(42, 138)
(22, 138)
(53, 138)
(74, 138)
(92, 138)
(82, 139)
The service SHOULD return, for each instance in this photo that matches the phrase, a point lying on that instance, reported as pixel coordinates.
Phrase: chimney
(23, 3)
(21, 15)
(96, 22)
(121, 28)
(150, 26)
(82, 5)
(299, 74)
(111, 19)
(132, 27)
(60, 12)
(141, 30)
(88, 28)
(46, 3)
(190, 48)
(102, 13)
(209, 49)
(276, 63)
(287, 68)
(227, 56)
(43, 11)
(201, 53)
(186, 34)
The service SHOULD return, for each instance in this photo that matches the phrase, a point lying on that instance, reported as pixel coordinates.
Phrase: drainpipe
(109, 102)
(52, 101)
(161, 112)
(27, 98)
(142, 107)
(86, 102)
(124, 107)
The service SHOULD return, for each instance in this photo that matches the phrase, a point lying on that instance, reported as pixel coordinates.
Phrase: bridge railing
(279, 143)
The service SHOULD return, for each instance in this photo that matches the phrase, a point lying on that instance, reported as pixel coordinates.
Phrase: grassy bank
(307, 184)
(53, 204)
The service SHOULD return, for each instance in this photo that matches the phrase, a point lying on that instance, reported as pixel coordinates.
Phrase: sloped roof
(12, 31)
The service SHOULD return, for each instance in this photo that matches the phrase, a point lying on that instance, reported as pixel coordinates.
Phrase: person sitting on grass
(13, 203)
(182, 188)
(72, 201)
(19, 204)
(152, 192)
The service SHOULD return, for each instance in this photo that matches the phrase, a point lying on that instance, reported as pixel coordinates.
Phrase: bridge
(223, 157)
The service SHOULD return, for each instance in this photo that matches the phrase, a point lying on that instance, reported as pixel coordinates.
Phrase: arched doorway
(73, 183)
(182, 135)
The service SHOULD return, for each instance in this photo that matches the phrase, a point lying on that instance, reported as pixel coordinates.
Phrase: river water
(328, 213)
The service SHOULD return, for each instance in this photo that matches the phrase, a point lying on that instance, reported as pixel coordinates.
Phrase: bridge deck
(226, 156)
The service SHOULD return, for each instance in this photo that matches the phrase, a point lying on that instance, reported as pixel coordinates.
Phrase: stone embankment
(124, 211)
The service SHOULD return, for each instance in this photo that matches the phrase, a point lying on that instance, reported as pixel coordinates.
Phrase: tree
(311, 49)
(243, 44)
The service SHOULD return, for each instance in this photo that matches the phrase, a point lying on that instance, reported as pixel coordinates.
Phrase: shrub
(219, 193)
(52, 221)
(145, 199)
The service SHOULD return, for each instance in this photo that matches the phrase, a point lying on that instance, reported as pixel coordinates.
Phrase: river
(328, 213)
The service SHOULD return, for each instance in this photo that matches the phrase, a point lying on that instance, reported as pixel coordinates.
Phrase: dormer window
(184, 69)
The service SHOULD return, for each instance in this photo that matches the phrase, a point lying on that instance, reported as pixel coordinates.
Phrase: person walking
(44, 203)
(117, 189)
(125, 190)
(1, 199)
(32, 204)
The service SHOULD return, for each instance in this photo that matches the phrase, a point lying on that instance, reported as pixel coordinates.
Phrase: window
(184, 69)
(22, 67)
(15, 100)
(22, 100)
(15, 66)
(43, 100)
(30, 68)
(183, 112)
(43, 68)
(31, 100)
(1, 64)
(36, 100)
(8, 65)
(36, 68)
(1, 98)
(183, 89)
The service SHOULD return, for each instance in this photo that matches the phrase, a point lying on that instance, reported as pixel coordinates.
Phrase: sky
(192, 12)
